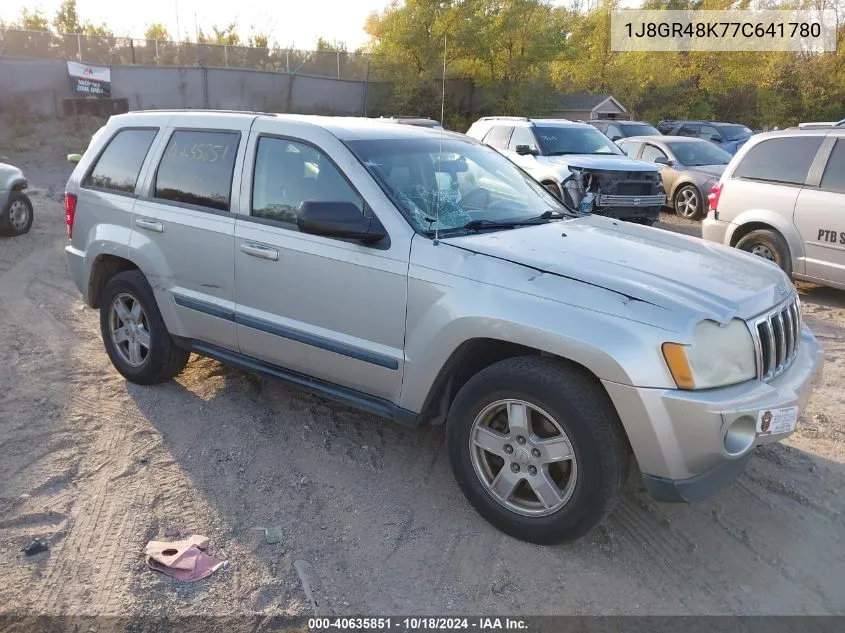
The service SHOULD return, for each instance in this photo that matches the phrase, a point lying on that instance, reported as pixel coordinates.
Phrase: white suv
(578, 164)
(782, 197)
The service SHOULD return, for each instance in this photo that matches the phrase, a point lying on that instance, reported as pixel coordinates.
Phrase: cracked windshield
(449, 184)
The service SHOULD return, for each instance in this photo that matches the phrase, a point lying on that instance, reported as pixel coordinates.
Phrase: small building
(581, 106)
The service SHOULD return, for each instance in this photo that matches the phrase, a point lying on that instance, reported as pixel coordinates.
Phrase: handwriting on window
(200, 152)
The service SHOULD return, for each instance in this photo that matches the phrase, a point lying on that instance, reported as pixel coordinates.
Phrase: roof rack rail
(200, 111)
(505, 118)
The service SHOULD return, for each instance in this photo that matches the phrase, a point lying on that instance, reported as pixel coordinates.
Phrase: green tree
(157, 31)
(324, 45)
(67, 18)
(31, 21)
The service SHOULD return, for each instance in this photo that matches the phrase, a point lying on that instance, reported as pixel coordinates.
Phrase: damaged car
(15, 206)
(578, 164)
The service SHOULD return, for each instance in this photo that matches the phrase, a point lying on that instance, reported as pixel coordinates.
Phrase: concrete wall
(42, 84)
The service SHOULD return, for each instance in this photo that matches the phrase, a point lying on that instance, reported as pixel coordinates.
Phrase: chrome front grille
(610, 200)
(776, 336)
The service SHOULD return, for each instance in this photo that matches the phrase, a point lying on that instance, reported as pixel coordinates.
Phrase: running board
(345, 395)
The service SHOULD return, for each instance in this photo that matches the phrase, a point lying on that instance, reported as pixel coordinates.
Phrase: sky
(288, 21)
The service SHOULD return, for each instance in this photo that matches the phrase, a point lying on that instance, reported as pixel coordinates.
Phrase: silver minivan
(783, 197)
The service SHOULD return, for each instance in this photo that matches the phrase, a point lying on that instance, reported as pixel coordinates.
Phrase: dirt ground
(98, 466)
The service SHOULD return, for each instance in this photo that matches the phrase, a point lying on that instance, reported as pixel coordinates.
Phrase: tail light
(713, 197)
(70, 212)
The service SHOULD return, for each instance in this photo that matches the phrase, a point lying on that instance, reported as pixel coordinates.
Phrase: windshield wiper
(479, 225)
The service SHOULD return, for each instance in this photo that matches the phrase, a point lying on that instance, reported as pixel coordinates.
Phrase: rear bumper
(76, 266)
(714, 230)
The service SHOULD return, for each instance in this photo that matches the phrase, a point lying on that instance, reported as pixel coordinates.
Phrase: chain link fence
(123, 51)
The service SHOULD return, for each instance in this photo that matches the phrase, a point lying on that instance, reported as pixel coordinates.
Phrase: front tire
(768, 244)
(136, 339)
(16, 217)
(688, 202)
(537, 448)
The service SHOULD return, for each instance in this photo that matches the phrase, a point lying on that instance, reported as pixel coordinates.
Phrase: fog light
(740, 435)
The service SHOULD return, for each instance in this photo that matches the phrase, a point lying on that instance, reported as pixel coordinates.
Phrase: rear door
(107, 192)
(820, 214)
(498, 137)
(183, 227)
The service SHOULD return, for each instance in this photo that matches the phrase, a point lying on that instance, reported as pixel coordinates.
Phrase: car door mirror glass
(338, 219)
(525, 150)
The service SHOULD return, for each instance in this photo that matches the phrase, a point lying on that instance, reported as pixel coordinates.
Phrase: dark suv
(729, 136)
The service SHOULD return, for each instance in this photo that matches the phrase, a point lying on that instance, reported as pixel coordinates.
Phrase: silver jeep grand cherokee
(421, 276)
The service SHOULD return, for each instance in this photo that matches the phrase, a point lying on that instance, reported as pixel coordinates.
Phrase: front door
(329, 308)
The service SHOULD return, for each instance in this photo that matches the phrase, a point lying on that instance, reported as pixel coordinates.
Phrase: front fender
(565, 318)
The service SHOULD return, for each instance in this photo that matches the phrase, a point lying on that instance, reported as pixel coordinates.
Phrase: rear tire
(134, 334)
(16, 218)
(531, 412)
(688, 203)
(770, 245)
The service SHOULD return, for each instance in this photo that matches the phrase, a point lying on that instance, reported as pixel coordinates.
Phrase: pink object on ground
(183, 560)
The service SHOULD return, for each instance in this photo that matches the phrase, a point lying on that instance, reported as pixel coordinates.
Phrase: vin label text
(808, 31)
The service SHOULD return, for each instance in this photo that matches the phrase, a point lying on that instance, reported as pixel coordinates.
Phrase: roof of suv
(344, 128)
(521, 121)
(684, 121)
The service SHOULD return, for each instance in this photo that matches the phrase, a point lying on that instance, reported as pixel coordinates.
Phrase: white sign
(85, 71)
(777, 421)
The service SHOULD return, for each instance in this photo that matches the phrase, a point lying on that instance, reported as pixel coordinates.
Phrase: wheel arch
(473, 356)
(103, 268)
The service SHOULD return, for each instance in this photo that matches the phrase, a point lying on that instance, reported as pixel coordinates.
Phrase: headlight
(719, 356)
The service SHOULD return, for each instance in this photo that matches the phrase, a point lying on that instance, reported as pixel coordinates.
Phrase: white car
(578, 164)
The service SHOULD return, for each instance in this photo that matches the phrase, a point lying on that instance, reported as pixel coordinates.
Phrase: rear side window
(834, 174)
(498, 136)
(197, 168)
(688, 130)
(118, 166)
(783, 160)
(631, 148)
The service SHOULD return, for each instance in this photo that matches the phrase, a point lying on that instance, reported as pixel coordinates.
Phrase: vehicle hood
(8, 174)
(594, 161)
(708, 170)
(669, 270)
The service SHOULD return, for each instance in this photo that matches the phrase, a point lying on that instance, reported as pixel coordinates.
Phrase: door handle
(149, 225)
(264, 252)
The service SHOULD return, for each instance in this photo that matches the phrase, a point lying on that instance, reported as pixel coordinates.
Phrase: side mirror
(615, 138)
(662, 160)
(74, 158)
(338, 219)
(716, 139)
(525, 150)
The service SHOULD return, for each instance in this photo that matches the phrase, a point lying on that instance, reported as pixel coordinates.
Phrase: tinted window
(522, 136)
(119, 165)
(734, 132)
(613, 132)
(197, 168)
(650, 152)
(834, 173)
(688, 130)
(639, 129)
(707, 131)
(631, 148)
(498, 136)
(784, 160)
(287, 173)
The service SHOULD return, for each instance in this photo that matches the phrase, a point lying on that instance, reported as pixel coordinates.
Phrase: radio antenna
(440, 150)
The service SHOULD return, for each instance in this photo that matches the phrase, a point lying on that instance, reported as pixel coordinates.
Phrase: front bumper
(679, 437)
